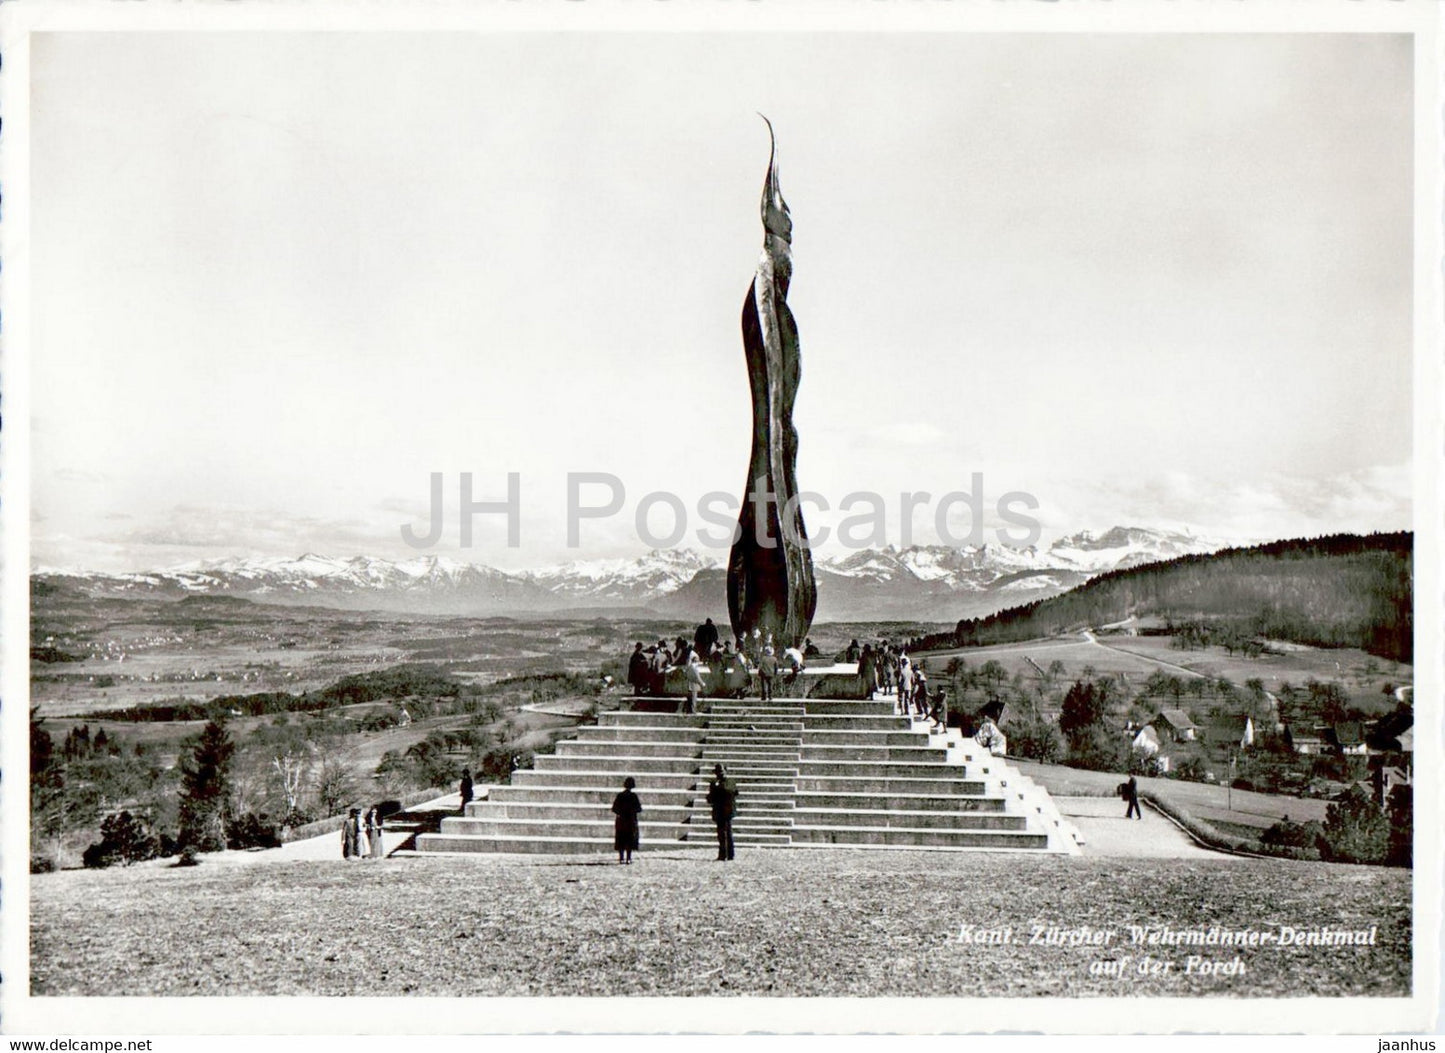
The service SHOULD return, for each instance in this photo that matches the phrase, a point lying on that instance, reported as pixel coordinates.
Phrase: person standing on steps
(466, 789)
(866, 672)
(692, 676)
(905, 685)
(627, 808)
(722, 796)
(1131, 794)
(920, 692)
(767, 669)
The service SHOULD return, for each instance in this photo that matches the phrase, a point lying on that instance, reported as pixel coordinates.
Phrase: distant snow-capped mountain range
(926, 582)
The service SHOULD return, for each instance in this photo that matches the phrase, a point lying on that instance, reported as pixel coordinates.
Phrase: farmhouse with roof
(1231, 731)
(1174, 725)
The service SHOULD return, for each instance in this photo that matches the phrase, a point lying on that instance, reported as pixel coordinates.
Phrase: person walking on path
(920, 692)
(722, 796)
(1131, 794)
(351, 835)
(466, 789)
(767, 669)
(373, 831)
(938, 712)
(692, 676)
(627, 808)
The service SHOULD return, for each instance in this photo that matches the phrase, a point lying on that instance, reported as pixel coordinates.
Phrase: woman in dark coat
(627, 808)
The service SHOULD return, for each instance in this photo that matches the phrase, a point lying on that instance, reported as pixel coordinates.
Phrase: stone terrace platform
(810, 773)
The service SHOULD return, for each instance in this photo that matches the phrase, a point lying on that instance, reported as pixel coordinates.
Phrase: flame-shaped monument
(770, 568)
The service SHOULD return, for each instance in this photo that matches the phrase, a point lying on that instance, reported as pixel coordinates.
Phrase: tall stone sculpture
(770, 569)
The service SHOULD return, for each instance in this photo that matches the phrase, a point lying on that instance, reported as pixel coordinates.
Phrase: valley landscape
(364, 705)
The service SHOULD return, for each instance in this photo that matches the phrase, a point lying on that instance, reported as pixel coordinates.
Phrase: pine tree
(206, 789)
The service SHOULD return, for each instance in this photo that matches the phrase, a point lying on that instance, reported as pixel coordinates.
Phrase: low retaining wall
(332, 824)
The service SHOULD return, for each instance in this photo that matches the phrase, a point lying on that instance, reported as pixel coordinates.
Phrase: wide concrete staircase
(810, 773)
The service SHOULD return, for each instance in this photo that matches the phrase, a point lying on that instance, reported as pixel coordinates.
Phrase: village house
(1230, 732)
(1306, 744)
(1347, 738)
(1174, 725)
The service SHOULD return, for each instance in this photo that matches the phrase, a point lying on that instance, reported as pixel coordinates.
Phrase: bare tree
(336, 786)
(292, 770)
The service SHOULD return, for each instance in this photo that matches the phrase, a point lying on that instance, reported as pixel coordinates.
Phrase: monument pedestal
(810, 773)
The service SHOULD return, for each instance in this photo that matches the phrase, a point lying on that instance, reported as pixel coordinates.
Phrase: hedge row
(1212, 837)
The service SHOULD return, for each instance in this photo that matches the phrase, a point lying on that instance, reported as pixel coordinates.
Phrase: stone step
(530, 845)
(626, 718)
(882, 769)
(815, 722)
(902, 802)
(751, 749)
(547, 845)
(599, 829)
(744, 773)
(740, 837)
(752, 738)
(779, 724)
(958, 785)
(600, 733)
(815, 707)
(626, 765)
(537, 811)
(647, 782)
(876, 754)
(865, 737)
(831, 817)
(917, 838)
(758, 790)
(585, 748)
(590, 795)
(754, 803)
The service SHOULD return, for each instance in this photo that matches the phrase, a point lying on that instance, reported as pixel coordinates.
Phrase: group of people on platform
(732, 664)
(361, 837)
(722, 799)
(887, 669)
(737, 667)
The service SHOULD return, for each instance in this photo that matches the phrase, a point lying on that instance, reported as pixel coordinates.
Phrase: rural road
(1107, 833)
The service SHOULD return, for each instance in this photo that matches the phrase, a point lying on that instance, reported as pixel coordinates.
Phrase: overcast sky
(281, 279)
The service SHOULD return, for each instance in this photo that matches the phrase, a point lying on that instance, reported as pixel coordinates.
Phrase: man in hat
(722, 795)
(466, 789)
(767, 669)
(351, 835)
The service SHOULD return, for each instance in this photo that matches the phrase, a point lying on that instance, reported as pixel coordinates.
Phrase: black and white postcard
(721, 517)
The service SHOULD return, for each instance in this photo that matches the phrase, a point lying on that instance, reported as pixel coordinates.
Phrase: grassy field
(1362, 676)
(799, 923)
(1206, 800)
(1074, 652)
